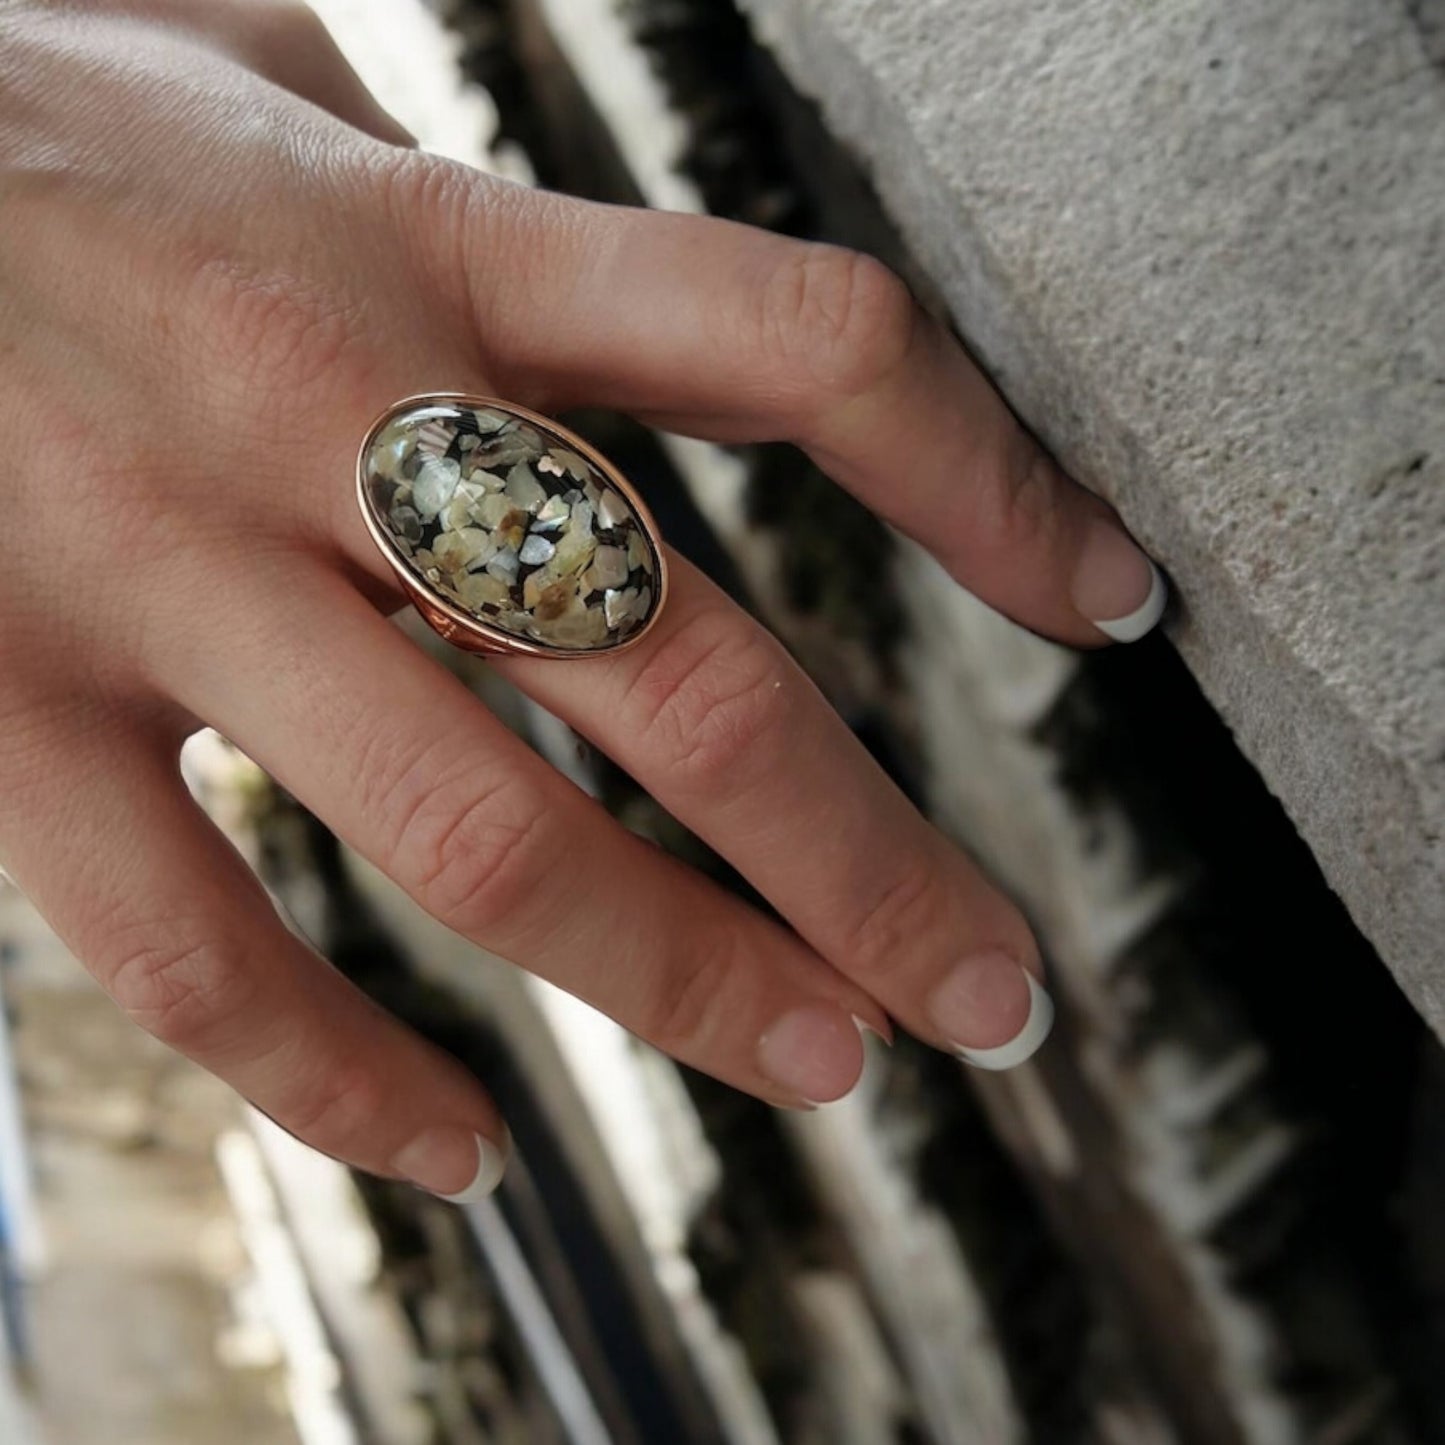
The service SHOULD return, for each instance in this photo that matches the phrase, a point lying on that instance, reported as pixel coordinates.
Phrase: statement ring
(509, 533)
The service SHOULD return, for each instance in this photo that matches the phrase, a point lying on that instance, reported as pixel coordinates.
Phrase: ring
(509, 533)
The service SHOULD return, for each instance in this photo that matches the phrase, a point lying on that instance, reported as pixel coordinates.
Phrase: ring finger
(402, 762)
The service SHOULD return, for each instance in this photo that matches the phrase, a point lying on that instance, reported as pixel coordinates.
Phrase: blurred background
(1211, 1213)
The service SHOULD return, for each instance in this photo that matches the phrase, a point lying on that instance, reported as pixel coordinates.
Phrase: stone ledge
(1199, 246)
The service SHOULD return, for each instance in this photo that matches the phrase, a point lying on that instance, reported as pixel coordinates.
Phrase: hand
(218, 261)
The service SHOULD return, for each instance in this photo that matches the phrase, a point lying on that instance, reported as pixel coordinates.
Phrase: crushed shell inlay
(498, 516)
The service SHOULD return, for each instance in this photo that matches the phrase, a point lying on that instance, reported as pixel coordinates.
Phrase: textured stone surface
(1201, 246)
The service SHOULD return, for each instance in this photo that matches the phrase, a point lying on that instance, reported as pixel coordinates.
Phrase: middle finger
(714, 718)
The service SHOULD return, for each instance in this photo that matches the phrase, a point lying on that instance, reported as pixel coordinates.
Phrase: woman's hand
(218, 261)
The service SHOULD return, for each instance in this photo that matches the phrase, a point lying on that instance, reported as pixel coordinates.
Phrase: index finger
(719, 330)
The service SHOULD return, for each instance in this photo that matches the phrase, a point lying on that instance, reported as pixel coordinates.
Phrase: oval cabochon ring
(509, 533)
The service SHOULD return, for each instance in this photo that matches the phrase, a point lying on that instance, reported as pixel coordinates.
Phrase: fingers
(823, 347)
(711, 715)
(402, 762)
(110, 847)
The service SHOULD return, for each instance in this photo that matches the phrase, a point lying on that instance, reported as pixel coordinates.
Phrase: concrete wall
(1201, 247)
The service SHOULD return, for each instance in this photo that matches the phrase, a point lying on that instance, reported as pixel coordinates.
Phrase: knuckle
(713, 703)
(461, 227)
(451, 210)
(895, 919)
(338, 1113)
(427, 191)
(694, 1000)
(1018, 505)
(471, 853)
(839, 318)
(182, 989)
(440, 210)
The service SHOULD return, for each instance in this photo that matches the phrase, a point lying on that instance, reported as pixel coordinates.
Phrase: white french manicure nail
(867, 1030)
(438, 1156)
(1027, 1042)
(491, 1165)
(1114, 583)
(1133, 625)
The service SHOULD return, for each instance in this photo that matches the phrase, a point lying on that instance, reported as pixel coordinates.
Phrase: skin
(218, 261)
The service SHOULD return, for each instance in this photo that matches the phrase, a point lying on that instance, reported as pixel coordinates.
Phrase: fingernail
(864, 1027)
(1115, 585)
(453, 1163)
(814, 1052)
(992, 1011)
